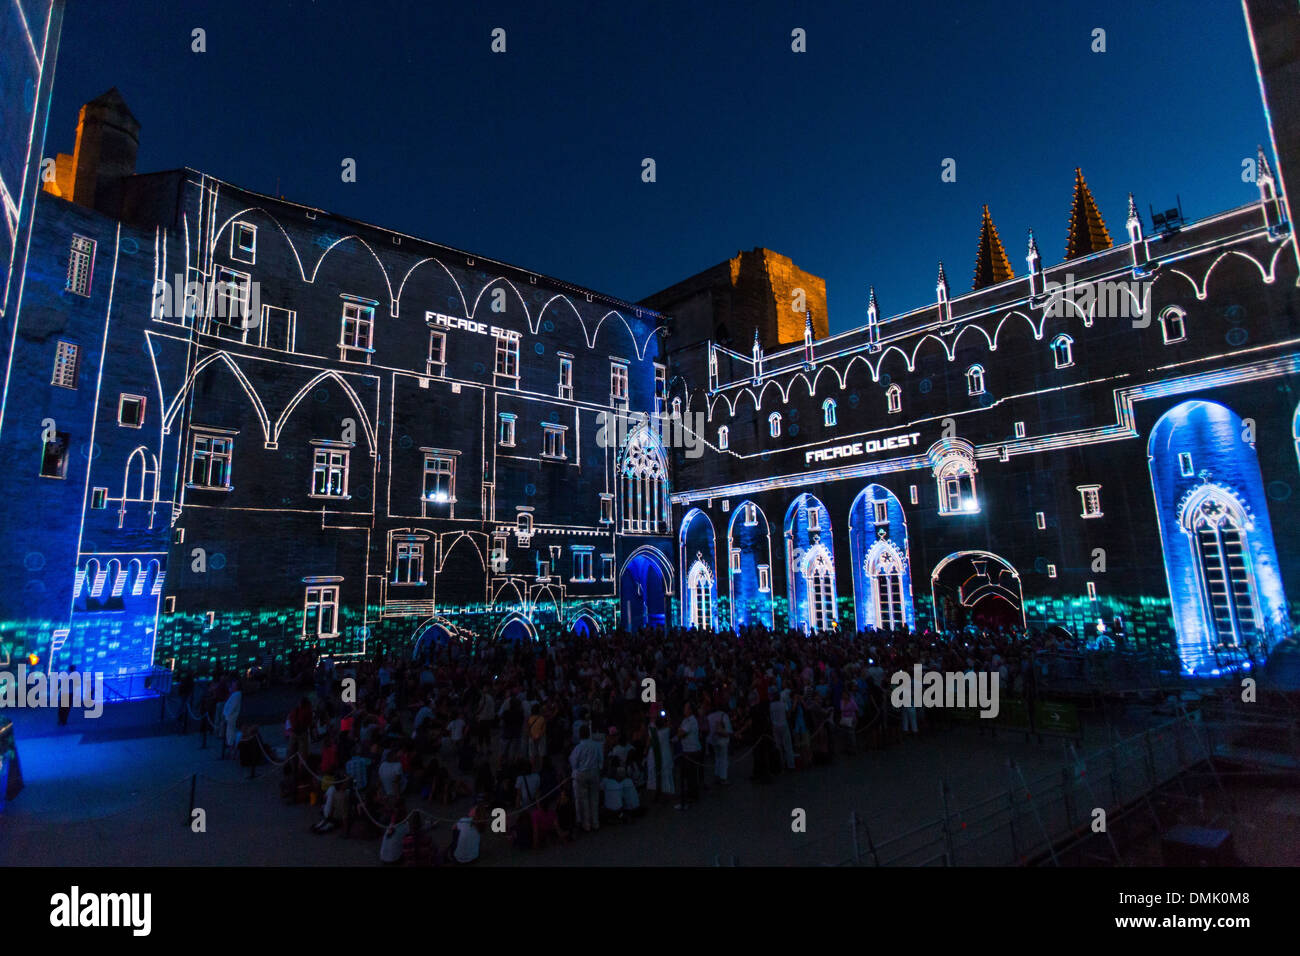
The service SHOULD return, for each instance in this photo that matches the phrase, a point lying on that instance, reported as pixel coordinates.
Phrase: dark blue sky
(831, 156)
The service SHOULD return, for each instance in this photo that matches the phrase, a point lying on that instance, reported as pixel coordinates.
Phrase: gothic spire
(1087, 229)
(991, 263)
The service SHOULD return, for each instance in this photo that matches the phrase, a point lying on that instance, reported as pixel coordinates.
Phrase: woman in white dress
(659, 759)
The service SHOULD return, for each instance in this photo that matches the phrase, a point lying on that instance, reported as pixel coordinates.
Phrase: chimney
(108, 137)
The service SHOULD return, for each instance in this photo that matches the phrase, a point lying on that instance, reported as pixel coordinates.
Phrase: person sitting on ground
(390, 848)
(337, 809)
(465, 838)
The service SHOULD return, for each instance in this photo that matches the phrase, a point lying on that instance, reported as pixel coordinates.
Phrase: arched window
(894, 398)
(1063, 351)
(1172, 326)
(955, 476)
(724, 435)
(774, 424)
(821, 590)
(885, 572)
(975, 380)
(643, 485)
(828, 412)
(699, 588)
(677, 408)
(1217, 525)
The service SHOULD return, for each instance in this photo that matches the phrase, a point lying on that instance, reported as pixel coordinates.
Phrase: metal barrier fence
(1030, 818)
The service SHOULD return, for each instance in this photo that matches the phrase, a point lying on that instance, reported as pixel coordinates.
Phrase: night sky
(832, 157)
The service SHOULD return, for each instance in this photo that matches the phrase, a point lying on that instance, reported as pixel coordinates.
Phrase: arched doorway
(585, 626)
(698, 569)
(430, 638)
(749, 563)
(516, 630)
(699, 594)
(643, 590)
(977, 588)
(882, 580)
(1221, 562)
(810, 564)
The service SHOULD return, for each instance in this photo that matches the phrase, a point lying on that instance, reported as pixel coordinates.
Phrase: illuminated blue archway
(699, 570)
(882, 570)
(643, 588)
(749, 563)
(1221, 563)
(810, 565)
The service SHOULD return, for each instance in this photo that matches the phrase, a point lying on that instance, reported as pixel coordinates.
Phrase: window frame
(324, 591)
(79, 281)
(553, 437)
(211, 436)
(67, 364)
(329, 467)
(122, 400)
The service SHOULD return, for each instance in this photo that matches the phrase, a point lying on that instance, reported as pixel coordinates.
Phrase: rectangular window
(881, 509)
(1020, 429)
(437, 364)
(606, 509)
(617, 382)
(243, 243)
(1041, 520)
(130, 410)
(1092, 591)
(408, 562)
(607, 567)
(952, 494)
(735, 559)
(1051, 570)
(506, 430)
(764, 578)
(566, 377)
(169, 604)
(1185, 464)
(230, 295)
(661, 388)
(81, 263)
(321, 612)
(210, 458)
(1091, 495)
(99, 498)
(552, 441)
(358, 328)
(439, 479)
(65, 365)
(507, 355)
(751, 514)
(582, 566)
(814, 519)
(543, 569)
(329, 476)
(911, 494)
(1004, 453)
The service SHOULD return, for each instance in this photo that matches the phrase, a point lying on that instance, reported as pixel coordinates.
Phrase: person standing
(65, 699)
(585, 762)
(781, 731)
(689, 733)
(720, 740)
(230, 714)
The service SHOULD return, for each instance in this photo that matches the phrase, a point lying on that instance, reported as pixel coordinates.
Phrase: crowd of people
(549, 743)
